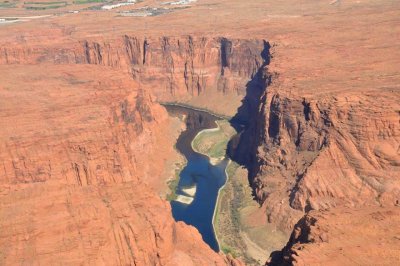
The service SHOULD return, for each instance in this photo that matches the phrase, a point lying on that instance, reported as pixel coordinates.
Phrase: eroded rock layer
(343, 237)
(305, 153)
(314, 154)
(203, 71)
(76, 185)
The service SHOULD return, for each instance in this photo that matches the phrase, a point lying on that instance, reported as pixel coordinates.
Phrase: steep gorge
(303, 153)
(117, 77)
(76, 182)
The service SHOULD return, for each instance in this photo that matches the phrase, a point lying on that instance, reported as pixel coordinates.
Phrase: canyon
(87, 150)
(89, 198)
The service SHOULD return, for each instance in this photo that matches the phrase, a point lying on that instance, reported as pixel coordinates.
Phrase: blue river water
(198, 172)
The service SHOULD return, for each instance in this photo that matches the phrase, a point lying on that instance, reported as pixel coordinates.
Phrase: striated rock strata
(343, 237)
(313, 153)
(203, 71)
(76, 185)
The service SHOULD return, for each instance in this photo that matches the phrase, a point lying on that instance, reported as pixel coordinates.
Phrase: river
(200, 180)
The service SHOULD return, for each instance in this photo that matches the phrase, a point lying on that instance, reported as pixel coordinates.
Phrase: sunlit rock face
(203, 71)
(76, 184)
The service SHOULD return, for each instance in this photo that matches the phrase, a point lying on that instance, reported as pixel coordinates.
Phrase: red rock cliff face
(341, 151)
(189, 69)
(317, 153)
(303, 152)
(314, 154)
(76, 185)
(105, 157)
(347, 235)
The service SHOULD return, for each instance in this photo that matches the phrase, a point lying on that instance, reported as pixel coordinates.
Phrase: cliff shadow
(255, 87)
(242, 147)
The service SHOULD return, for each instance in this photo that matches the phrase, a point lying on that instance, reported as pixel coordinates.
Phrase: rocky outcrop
(303, 145)
(82, 159)
(123, 224)
(308, 153)
(348, 235)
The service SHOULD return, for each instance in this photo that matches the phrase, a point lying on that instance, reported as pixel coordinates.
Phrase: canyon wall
(350, 236)
(84, 153)
(315, 153)
(203, 71)
(303, 152)
(88, 127)
(99, 135)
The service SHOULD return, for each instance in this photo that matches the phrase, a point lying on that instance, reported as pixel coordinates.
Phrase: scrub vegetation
(173, 183)
(228, 225)
(80, 2)
(7, 4)
(44, 5)
(213, 142)
(237, 234)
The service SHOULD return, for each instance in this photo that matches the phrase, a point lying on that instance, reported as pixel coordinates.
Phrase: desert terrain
(87, 150)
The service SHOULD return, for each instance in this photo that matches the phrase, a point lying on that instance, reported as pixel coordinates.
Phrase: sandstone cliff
(76, 185)
(311, 154)
(343, 236)
(293, 145)
(314, 153)
(203, 71)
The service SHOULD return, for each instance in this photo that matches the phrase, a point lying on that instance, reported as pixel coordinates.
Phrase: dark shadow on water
(198, 172)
